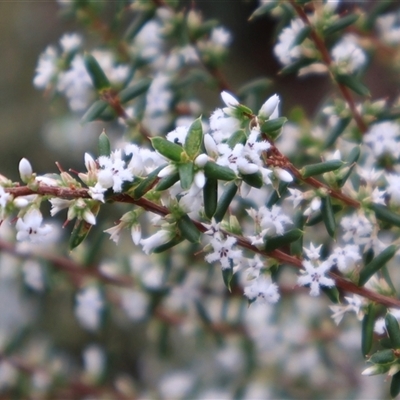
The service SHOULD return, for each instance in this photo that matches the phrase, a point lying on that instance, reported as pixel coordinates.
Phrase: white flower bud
(248, 168)
(211, 146)
(25, 170)
(283, 175)
(200, 179)
(269, 107)
(136, 233)
(89, 217)
(168, 170)
(201, 160)
(229, 100)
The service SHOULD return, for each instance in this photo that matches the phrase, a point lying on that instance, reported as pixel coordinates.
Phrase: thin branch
(326, 58)
(279, 255)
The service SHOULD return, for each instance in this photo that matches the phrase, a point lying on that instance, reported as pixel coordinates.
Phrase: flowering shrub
(250, 234)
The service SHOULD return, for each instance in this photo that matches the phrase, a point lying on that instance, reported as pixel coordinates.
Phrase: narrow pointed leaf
(99, 78)
(186, 175)
(393, 329)
(254, 180)
(283, 240)
(94, 111)
(146, 184)
(352, 159)
(332, 293)
(237, 137)
(384, 214)
(213, 170)
(210, 196)
(353, 83)
(166, 246)
(104, 145)
(302, 35)
(367, 330)
(194, 139)
(227, 275)
(134, 91)
(383, 357)
(340, 24)
(167, 181)
(296, 247)
(264, 9)
(166, 148)
(395, 385)
(188, 229)
(273, 125)
(317, 217)
(337, 130)
(277, 194)
(225, 201)
(328, 215)
(376, 264)
(320, 168)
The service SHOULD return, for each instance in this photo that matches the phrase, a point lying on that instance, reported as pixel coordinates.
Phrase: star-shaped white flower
(315, 276)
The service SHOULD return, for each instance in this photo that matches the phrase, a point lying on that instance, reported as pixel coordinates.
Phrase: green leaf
(367, 330)
(301, 36)
(166, 246)
(340, 24)
(384, 214)
(277, 194)
(376, 264)
(170, 150)
(167, 181)
(81, 230)
(332, 293)
(395, 385)
(210, 196)
(328, 215)
(94, 111)
(213, 170)
(227, 274)
(188, 229)
(392, 327)
(352, 83)
(317, 217)
(294, 67)
(225, 201)
(264, 9)
(186, 174)
(146, 183)
(336, 131)
(296, 247)
(254, 180)
(320, 168)
(134, 90)
(352, 159)
(273, 125)
(104, 145)
(254, 86)
(99, 78)
(383, 357)
(194, 139)
(283, 240)
(237, 137)
(138, 22)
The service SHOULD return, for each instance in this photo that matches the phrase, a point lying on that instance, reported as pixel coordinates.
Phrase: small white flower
(269, 108)
(345, 257)
(25, 170)
(315, 277)
(262, 290)
(94, 361)
(313, 252)
(355, 304)
(70, 42)
(5, 197)
(59, 204)
(283, 175)
(160, 237)
(348, 55)
(296, 197)
(89, 305)
(224, 252)
(30, 227)
(383, 138)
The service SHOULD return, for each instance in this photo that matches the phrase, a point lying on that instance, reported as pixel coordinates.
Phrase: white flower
(70, 42)
(393, 188)
(222, 125)
(348, 56)
(355, 304)
(345, 257)
(253, 148)
(273, 219)
(229, 100)
(89, 305)
(313, 252)
(283, 175)
(160, 237)
(59, 204)
(389, 28)
(270, 109)
(5, 197)
(285, 49)
(262, 290)
(220, 37)
(33, 275)
(25, 170)
(356, 228)
(178, 135)
(29, 227)
(383, 138)
(135, 304)
(224, 252)
(315, 276)
(296, 197)
(46, 68)
(94, 360)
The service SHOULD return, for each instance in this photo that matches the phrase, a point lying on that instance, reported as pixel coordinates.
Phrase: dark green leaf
(384, 214)
(167, 181)
(254, 180)
(275, 242)
(395, 385)
(186, 174)
(273, 125)
(353, 83)
(210, 196)
(188, 229)
(99, 78)
(392, 327)
(337, 130)
(328, 215)
(340, 24)
(213, 170)
(367, 330)
(168, 149)
(134, 90)
(94, 111)
(383, 357)
(317, 217)
(320, 168)
(225, 201)
(376, 264)
(166, 246)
